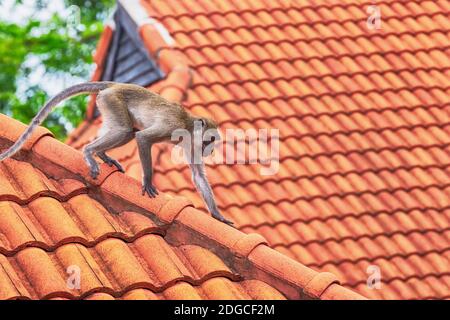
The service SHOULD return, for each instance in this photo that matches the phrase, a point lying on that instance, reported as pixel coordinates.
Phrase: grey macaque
(131, 111)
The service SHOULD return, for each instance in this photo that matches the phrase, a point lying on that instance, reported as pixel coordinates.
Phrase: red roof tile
(54, 220)
(364, 126)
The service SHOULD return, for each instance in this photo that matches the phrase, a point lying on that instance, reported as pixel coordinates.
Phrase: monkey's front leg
(202, 185)
(144, 142)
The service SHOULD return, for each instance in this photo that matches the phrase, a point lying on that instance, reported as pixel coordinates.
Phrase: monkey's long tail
(87, 87)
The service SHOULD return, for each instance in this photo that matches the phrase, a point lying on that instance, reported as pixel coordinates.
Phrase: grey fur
(87, 87)
(126, 108)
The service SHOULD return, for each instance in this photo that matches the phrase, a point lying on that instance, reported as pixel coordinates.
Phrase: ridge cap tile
(170, 210)
(338, 292)
(319, 283)
(115, 183)
(58, 159)
(245, 245)
(286, 275)
(197, 223)
(283, 273)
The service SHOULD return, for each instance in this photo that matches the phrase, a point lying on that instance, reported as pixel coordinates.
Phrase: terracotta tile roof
(364, 125)
(54, 221)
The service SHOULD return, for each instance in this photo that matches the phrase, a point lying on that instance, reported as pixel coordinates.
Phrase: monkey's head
(210, 135)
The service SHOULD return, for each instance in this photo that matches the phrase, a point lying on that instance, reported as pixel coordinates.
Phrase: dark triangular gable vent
(128, 60)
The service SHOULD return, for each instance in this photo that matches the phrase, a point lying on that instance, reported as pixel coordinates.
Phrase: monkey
(131, 111)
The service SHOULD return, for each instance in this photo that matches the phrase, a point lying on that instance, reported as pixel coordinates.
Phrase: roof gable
(128, 60)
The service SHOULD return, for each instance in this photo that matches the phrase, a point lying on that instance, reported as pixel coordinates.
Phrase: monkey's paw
(222, 219)
(149, 189)
(112, 162)
(94, 172)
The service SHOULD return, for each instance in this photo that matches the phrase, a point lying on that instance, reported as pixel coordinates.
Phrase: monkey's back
(146, 108)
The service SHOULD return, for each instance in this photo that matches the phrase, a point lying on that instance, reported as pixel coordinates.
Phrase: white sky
(23, 12)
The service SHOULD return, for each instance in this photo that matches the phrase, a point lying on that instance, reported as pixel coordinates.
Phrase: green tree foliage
(62, 47)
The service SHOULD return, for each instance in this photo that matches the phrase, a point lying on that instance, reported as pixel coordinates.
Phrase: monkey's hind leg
(117, 129)
(110, 161)
(109, 140)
